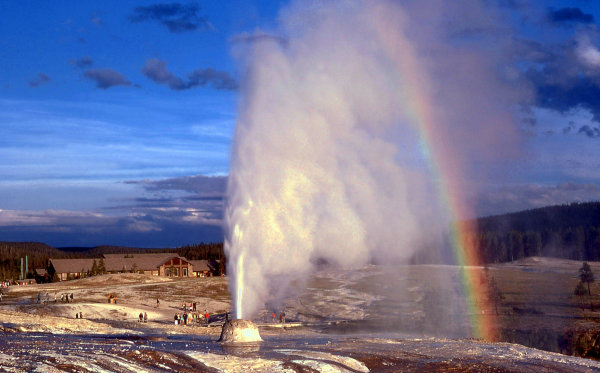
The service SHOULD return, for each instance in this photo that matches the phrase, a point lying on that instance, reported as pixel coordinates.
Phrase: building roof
(142, 262)
(200, 265)
(139, 255)
(205, 265)
(117, 262)
(72, 265)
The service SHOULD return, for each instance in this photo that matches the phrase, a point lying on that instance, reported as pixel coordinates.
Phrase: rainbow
(446, 171)
(466, 252)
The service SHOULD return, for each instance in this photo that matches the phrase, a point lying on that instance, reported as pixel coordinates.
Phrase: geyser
(238, 330)
(352, 118)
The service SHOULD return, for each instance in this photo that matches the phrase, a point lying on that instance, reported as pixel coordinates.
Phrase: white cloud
(587, 53)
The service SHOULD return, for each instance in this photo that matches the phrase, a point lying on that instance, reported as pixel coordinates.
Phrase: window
(184, 272)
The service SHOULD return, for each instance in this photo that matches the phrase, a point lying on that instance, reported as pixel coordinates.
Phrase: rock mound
(239, 330)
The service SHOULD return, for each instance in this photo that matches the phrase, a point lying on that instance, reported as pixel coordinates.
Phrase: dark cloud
(569, 16)
(176, 212)
(176, 17)
(209, 76)
(40, 79)
(198, 184)
(156, 70)
(561, 76)
(256, 37)
(569, 129)
(189, 198)
(592, 132)
(84, 61)
(106, 78)
(154, 202)
(577, 92)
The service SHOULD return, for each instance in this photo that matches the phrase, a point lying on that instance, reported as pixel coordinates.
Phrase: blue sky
(116, 117)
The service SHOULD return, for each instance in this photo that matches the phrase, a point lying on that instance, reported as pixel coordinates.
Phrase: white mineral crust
(239, 330)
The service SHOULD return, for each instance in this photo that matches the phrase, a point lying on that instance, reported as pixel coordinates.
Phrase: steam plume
(326, 163)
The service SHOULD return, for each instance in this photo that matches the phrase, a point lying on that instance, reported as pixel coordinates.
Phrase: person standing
(145, 317)
(157, 303)
(206, 315)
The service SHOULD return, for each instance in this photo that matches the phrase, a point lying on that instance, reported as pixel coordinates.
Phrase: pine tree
(94, 268)
(586, 275)
(101, 267)
(580, 292)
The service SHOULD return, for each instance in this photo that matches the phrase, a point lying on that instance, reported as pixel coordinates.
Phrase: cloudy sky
(116, 117)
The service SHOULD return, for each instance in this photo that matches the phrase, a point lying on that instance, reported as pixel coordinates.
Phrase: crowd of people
(45, 298)
(191, 318)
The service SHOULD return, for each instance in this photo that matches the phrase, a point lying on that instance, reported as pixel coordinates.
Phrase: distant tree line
(38, 254)
(566, 231)
(37, 257)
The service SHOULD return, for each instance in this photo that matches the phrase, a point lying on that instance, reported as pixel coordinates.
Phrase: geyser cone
(239, 330)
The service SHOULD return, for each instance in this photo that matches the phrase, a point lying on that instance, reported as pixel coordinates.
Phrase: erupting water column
(239, 330)
(354, 140)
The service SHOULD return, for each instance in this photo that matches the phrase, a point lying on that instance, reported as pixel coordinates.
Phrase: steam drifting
(328, 165)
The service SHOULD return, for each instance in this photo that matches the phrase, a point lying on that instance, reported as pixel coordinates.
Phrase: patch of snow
(346, 361)
(234, 364)
(321, 366)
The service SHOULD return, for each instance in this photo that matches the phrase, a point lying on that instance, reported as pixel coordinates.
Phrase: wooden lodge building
(157, 264)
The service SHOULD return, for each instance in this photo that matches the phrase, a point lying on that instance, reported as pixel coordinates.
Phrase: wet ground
(39, 352)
